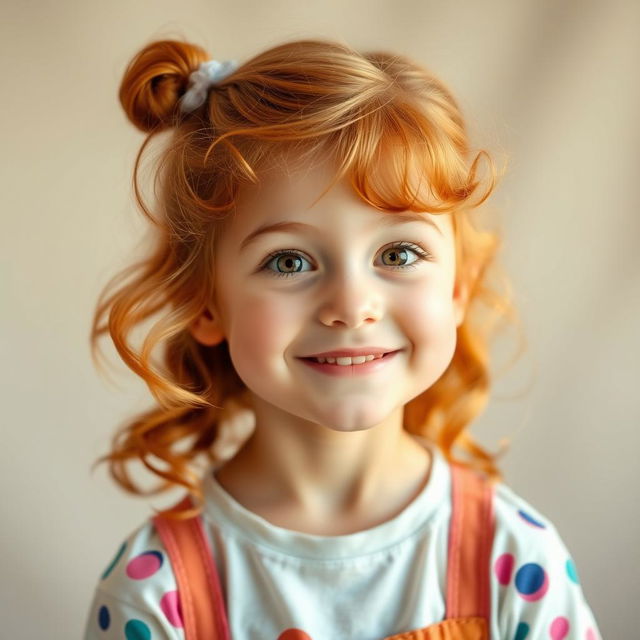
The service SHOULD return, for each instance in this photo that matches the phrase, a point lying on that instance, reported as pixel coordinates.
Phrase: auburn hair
(315, 98)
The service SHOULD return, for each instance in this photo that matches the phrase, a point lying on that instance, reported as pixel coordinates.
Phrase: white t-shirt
(366, 585)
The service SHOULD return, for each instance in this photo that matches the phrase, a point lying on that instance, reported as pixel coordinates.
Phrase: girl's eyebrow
(387, 219)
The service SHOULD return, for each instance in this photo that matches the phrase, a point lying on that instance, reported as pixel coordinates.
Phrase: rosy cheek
(428, 324)
(261, 331)
(426, 313)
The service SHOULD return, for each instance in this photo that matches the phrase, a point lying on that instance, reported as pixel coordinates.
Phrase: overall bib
(467, 615)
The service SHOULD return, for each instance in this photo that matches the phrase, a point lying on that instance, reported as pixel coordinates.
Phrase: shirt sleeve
(535, 587)
(136, 596)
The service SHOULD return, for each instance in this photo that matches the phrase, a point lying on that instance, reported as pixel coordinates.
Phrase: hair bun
(155, 80)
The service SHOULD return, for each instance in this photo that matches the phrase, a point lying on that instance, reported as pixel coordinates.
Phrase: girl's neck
(327, 482)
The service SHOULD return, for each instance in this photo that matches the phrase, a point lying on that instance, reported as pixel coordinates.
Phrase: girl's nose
(350, 300)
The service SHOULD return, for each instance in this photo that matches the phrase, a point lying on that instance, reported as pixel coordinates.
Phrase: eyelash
(422, 254)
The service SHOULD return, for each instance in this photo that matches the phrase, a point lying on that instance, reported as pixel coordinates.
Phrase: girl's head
(298, 272)
(368, 155)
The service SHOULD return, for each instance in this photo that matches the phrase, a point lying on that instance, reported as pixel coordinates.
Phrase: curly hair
(316, 98)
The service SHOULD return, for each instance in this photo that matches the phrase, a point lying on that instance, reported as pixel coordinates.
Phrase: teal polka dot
(572, 572)
(522, 631)
(137, 630)
(114, 562)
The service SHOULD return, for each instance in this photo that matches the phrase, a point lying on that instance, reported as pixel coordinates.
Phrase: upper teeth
(349, 361)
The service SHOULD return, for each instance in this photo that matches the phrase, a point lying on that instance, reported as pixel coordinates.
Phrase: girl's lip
(351, 370)
(353, 353)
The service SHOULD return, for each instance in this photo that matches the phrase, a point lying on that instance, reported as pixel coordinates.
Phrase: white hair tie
(207, 74)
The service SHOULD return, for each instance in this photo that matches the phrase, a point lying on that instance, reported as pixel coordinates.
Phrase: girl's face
(332, 276)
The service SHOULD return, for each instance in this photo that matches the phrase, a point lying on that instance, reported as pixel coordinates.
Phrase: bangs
(395, 157)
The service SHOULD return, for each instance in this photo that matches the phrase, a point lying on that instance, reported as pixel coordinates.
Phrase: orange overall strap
(470, 541)
(200, 596)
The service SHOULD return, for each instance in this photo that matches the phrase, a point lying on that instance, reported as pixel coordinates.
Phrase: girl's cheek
(428, 310)
(429, 326)
(261, 331)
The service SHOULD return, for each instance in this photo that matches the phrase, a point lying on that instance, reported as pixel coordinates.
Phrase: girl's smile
(347, 367)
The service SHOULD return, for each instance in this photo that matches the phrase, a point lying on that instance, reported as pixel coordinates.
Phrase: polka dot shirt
(361, 586)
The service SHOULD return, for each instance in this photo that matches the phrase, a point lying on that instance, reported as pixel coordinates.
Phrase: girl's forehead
(298, 190)
(289, 180)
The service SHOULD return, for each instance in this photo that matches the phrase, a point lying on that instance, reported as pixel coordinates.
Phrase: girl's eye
(288, 261)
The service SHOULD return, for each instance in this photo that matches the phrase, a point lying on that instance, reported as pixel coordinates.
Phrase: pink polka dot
(503, 568)
(591, 634)
(559, 628)
(170, 605)
(144, 565)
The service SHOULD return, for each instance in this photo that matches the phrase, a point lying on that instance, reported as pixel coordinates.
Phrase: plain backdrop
(551, 85)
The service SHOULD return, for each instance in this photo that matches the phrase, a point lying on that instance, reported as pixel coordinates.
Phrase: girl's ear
(459, 304)
(206, 329)
(460, 300)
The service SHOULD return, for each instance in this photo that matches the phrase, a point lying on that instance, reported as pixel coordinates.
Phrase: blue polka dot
(522, 631)
(104, 618)
(114, 562)
(572, 572)
(137, 630)
(529, 578)
(531, 520)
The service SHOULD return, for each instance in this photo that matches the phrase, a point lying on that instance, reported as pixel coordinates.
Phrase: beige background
(551, 84)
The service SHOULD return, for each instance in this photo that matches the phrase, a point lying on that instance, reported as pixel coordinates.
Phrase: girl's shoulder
(521, 526)
(525, 541)
(535, 585)
(517, 522)
(137, 589)
(511, 508)
(526, 537)
(139, 557)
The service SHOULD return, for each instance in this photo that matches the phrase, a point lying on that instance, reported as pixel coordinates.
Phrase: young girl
(316, 278)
